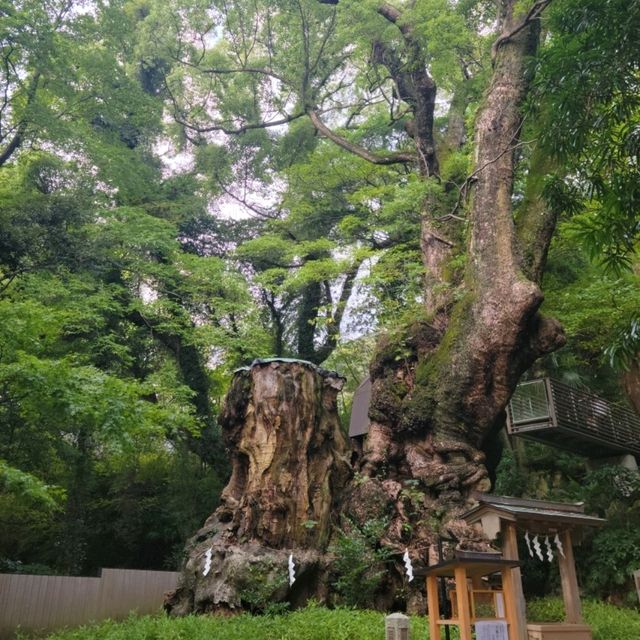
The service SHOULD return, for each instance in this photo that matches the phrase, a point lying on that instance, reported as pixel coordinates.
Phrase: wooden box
(558, 631)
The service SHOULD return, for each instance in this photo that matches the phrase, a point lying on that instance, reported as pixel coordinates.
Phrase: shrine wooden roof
(527, 510)
(477, 564)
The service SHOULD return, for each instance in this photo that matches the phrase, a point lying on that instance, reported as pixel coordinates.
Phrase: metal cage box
(552, 412)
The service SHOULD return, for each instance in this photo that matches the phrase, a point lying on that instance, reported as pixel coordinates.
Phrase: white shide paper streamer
(408, 565)
(207, 561)
(292, 570)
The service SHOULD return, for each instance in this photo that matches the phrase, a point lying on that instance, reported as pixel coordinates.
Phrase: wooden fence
(38, 603)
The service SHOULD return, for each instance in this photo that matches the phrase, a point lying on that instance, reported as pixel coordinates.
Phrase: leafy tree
(307, 259)
(365, 77)
(115, 292)
(66, 84)
(587, 91)
(108, 324)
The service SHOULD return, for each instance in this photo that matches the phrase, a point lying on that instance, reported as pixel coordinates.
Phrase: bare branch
(325, 39)
(223, 71)
(401, 157)
(259, 211)
(242, 128)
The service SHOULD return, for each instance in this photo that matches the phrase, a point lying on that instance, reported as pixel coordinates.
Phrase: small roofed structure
(555, 521)
(492, 612)
(554, 413)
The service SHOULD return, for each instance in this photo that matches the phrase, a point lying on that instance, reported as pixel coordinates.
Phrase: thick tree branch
(13, 144)
(386, 10)
(382, 159)
(242, 128)
(416, 88)
(533, 14)
(390, 13)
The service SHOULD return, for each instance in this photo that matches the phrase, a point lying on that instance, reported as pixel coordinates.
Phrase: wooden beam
(513, 585)
(569, 580)
(462, 597)
(433, 607)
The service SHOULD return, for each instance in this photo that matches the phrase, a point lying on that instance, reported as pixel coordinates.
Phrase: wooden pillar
(569, 581)
(518, 626)
(511, 605)
(462, 597)
(433, 607)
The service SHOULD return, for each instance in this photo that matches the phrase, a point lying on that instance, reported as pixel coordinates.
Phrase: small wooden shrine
(549, 529)
(554, 413)
(491, 610)
(484, 593)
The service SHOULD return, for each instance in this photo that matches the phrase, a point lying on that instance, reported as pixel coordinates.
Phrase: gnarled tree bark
(289, 462)
(434, 409)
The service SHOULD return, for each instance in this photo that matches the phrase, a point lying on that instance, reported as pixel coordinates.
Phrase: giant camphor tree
(366, 76)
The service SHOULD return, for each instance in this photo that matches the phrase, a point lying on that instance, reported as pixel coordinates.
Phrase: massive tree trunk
(440, 386)
(440, 390)
(289, 462)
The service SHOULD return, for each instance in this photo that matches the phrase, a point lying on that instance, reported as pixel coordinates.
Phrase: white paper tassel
(549, 550)
(528, 541)
(408, 565)
(559, 545)
(538, 549)
(207, 561)
(292, 570)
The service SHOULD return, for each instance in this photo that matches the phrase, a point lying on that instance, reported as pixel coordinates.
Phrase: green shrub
(263, 587)
(611, 554)
(607, 621)
(360, 564)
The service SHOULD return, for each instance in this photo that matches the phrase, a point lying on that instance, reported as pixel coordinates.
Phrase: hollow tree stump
(289, 463)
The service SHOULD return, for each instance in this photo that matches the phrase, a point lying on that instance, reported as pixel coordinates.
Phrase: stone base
(558, 631)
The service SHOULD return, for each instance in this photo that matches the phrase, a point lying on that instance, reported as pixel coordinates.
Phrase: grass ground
(317, 623)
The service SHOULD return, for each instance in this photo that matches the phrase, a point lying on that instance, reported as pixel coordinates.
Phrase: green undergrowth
(607, 621)
(311, 623)
(317, 623)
